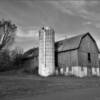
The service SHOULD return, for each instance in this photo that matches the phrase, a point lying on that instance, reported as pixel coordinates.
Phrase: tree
(15, 52)
(17, 57)
(5, 61)
(7, 33)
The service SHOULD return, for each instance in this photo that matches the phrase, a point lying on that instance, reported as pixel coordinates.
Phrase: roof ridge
(73, 37)
(70, 43)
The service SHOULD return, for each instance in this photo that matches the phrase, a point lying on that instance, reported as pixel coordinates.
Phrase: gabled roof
(60, 46)
(71, 43)
(31, 53)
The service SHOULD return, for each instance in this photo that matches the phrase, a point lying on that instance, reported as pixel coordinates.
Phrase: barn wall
(88, 46)
(35, 62)
(75, 62)
(31, 64)
(68, 59)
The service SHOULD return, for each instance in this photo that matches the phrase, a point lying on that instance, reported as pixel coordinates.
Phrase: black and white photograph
(49, 49)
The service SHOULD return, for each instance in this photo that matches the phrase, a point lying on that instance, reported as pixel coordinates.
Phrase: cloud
(27, 33)
(70, 7)
(87, 23)
(98, 43)
(59, 5)
(27, 37)
(81, 8)
(59, 36)
(97, 25)
(78, 8)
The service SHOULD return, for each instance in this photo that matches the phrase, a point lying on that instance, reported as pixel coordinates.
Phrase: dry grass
(21, 86)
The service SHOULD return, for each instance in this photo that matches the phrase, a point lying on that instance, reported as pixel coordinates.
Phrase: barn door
(89, 67)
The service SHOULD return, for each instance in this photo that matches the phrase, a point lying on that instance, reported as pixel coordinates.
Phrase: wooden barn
(30, 59)
(78, 56)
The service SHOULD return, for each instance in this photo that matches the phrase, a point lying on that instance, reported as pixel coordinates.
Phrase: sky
(67, 17)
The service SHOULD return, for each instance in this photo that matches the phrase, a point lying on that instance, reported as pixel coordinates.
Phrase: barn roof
(31, 53)
(63, 45)
(70, 43)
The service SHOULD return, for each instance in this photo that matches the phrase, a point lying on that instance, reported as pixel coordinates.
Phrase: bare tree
(16, 52)
(7, 33)
(17, 57)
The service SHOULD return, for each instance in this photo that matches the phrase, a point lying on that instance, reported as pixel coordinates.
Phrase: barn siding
(31, 64)
(74, 58)
(76, 61)
(35, 63)
(88, 46)
(68, 59)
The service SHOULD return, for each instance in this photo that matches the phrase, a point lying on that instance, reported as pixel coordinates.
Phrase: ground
(31, 87)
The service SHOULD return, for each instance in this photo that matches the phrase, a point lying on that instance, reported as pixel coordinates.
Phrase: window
(89, 57)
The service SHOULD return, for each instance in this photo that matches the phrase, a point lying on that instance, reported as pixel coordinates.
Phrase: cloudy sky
(67, 17)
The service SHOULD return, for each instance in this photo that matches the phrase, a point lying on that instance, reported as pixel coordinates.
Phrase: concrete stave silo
(46, 51)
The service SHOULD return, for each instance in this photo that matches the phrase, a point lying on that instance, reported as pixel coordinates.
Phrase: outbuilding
(78, 56)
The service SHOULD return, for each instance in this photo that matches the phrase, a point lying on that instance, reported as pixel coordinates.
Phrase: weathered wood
(69, 58)
(88, 46)
(84, 56)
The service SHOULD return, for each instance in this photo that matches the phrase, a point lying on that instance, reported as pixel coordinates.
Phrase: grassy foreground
(12, 87)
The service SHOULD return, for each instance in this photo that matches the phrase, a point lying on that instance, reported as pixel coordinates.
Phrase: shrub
(5, 61)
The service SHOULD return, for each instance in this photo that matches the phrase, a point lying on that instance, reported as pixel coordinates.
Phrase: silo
(46, 51)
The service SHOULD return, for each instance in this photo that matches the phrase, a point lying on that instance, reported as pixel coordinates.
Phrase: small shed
(78, 55)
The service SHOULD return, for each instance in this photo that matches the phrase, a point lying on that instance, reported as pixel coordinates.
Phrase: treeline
(9, 59)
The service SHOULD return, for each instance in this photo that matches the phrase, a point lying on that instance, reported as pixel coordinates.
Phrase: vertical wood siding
(88, 46)
(79, 57)
(31, 63)
(68, 59)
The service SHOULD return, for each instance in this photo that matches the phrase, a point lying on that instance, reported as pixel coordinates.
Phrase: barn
(30, 60)
(77, 56)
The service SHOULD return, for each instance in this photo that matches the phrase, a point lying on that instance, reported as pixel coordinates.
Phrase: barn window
(89, 57)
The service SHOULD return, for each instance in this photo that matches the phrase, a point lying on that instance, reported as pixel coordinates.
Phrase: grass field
(13, 87)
